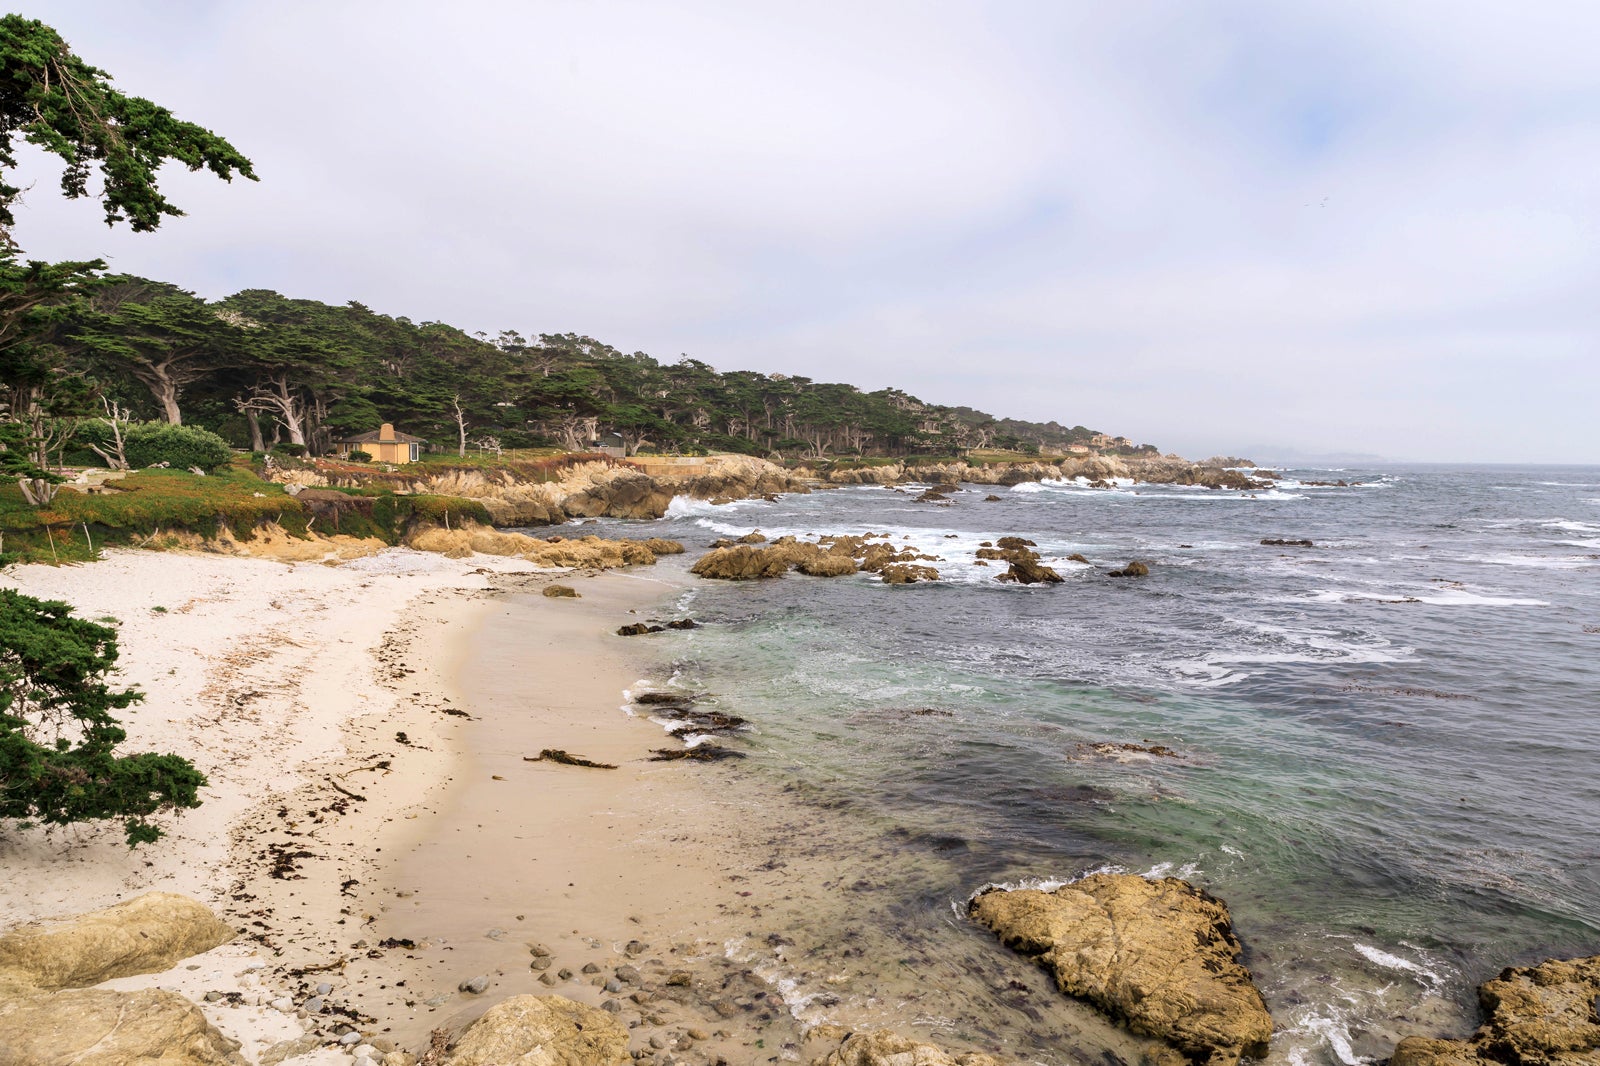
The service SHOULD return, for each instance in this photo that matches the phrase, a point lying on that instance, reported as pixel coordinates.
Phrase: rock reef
(1159, 956)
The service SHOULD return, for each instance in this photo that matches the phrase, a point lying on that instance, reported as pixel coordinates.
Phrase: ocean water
(1386, 744)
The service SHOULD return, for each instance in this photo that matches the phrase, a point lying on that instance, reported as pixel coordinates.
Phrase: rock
(684, 623)
(1547, 1014)
(475, 985)
(288, 1049)
(562, 592)
(1276, 542)
(740, 563)
(991, 498)
(352, 1037)
(637, 629)
(1133, 569)
(313, 1005)
(99, 1027)
(753, 537)
(826, 564)
(883, 1048)
(1030, 572)
(907, 573)
(365, 1050)
(147, 934)
(324, 988)
(1159, 956)
(662, 546)
(1077, 558)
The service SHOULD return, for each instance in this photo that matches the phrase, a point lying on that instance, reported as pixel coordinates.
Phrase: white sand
(267, 676)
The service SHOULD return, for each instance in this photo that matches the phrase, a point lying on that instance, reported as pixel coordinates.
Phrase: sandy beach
(323, 704)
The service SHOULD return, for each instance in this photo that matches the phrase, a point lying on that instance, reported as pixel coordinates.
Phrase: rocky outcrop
(1160, 470)
(740, 563)
(1158, 956)
(144, 935)
(48, 1017)
(1547, 1014)
(592, 552)
(1133, 569)
(548, 493)
(883, 1048)
(542, 1031)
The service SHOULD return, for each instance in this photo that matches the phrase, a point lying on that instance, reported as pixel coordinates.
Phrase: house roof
(376, 435)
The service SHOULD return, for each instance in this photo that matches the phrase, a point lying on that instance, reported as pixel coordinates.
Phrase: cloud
(1348, 226)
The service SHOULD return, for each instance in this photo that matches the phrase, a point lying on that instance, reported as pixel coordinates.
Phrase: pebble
(613, 985)
(352, 1037)
(365, 1051)
(476, 985)
(635, 948)
(658, 1043)
(324, 988)
(314, 1005)
(541, 962)
(212, 997)
(495, 934)
(611, 1005)
(564, 973)
(628, 974)
(681, 978)
(284, 1004)
(699, 1034)
(590, 967)
(540, 951)
(548, 981)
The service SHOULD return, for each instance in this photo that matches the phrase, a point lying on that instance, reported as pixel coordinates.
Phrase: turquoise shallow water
(1386, 744)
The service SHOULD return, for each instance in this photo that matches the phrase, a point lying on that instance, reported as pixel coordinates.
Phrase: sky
(1266, 229)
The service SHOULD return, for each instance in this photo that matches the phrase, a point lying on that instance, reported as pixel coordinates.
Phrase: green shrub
(150, 443)
(57, 736)
(359, 456)
(296, 450)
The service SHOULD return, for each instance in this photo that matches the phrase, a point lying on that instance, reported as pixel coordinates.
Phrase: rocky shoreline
(606, 488)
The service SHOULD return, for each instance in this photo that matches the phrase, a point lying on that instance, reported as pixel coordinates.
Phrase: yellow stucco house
(383, 444)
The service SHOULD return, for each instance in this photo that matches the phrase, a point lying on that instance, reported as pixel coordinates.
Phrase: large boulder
(98, 1027)
(542, 1031)
(1547, 1014)
(883, 1048)
(147, 934)
(1159, 956)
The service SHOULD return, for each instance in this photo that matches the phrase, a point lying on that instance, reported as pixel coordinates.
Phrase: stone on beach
(1159, 956)
(49, 1018)
(1547, 1014)
(146, 934)
(542, 1031)
(99, 1027)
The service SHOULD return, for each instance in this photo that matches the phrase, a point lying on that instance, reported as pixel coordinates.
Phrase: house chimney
(386, 432)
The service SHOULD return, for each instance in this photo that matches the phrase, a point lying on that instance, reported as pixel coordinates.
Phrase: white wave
(689, 506)
(1571, 526)
(1379, 957)
(1437, 597)
(1330, 1030)
(1543, 562)
(1231, 850)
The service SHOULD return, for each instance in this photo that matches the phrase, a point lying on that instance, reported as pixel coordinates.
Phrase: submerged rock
(1133, 569)
(883, 1048)
(1547, 1014)
(1030, 572)
(542, 1031)
(1158, 956)
(907, 573)
(1279, 542)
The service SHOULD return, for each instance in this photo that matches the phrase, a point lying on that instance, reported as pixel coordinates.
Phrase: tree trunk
(253, 420)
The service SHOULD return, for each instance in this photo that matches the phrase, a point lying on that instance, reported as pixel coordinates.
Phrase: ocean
(1380, 750)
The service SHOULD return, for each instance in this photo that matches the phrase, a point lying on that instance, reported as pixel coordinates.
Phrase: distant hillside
(265, 370)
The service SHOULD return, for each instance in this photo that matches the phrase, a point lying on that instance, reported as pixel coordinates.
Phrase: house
(609, 444)
(383, 444)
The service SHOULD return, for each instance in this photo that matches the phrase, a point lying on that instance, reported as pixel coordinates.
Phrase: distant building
(383, 444)
(610, 444)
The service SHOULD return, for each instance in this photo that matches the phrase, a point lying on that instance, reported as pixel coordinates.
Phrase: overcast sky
(1212, 226)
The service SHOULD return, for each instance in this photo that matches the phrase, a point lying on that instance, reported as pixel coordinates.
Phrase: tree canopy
(60, 103)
